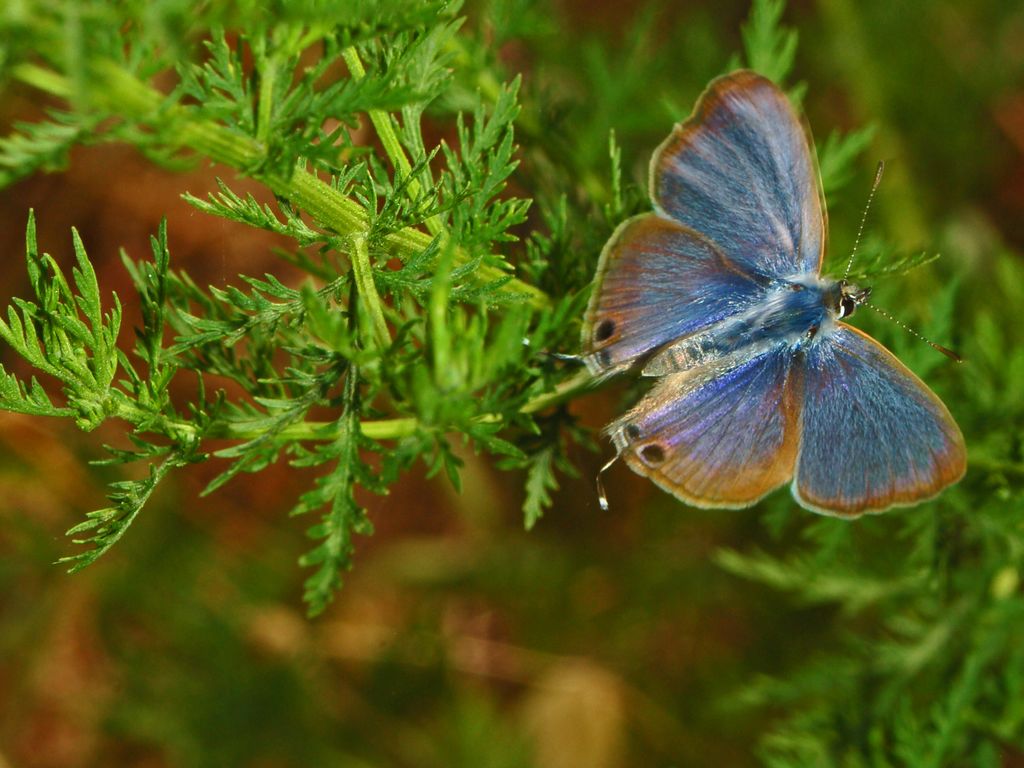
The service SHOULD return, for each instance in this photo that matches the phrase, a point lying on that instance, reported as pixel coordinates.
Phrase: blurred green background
(599, 639)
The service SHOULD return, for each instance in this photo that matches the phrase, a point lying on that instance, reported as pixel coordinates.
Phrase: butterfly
(718, 293)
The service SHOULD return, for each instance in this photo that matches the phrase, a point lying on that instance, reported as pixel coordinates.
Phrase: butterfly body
(793, 314)
(718, 294)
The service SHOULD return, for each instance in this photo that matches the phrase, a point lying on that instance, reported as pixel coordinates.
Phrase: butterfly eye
(632, 432)
(846, 306)
(604, 330)
(652, 454)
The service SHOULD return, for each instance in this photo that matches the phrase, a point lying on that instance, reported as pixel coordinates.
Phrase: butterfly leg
(602, 497)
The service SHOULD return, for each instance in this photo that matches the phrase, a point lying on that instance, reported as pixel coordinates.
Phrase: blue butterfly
(718, 294)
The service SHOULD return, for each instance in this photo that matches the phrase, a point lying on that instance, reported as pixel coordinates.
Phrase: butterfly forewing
(657, 281)
(740, 171)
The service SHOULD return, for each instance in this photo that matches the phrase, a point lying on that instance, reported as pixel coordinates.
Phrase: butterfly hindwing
(657, 281)
(721, 435)
(872, 435)
(740, 171)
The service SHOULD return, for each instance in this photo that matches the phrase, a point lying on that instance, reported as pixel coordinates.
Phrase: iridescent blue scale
(718, 294)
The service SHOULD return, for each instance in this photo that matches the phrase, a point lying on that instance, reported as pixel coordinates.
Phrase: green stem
(43, 79)
(325, 204)
(394, 429)
(437, 318)
(367, 289)
(564, 391)
(175, 429)
(265, 105)
(380, 119)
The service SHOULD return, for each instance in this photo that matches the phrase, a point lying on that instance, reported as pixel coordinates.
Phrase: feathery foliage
(412, 325)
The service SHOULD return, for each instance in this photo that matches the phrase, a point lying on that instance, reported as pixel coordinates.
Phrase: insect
(718, 294)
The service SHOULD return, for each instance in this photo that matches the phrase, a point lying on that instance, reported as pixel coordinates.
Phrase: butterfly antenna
(602, 497)
(864, 216)
(944, 350)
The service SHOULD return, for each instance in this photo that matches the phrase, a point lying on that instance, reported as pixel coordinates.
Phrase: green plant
(448, 346)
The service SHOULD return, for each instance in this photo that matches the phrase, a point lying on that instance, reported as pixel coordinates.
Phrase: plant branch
(118, 90)
(376, 429)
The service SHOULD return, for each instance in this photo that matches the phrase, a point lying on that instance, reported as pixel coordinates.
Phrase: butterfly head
(849, 298)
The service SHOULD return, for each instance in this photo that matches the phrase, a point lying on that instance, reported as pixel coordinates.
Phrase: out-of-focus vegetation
(654, 634)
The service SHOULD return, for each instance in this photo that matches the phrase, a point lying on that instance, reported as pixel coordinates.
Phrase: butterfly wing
(657, 281)
(722, 435)
(740, 171)
(873, 434)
